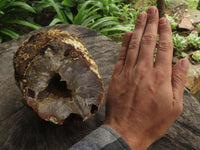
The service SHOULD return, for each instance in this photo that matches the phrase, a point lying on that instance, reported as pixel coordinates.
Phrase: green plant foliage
(192, 4)
(14, 12)
(180, 43)
(109, 17)
(107, 7)
(22, 5)
(144, 4)
(72, 3)
(193, 41)
(101, 15)
(183, 54)
(172, 22)
(198, 29)
(196, 56)
(128, 14)
(10, 33)
(69, 3)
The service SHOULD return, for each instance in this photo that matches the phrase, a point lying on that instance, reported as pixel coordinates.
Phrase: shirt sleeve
(103, 138)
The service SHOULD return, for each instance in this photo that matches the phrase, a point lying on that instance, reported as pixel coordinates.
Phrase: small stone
(194, 15)
(186, 24)
(177, 3)
(193, 77)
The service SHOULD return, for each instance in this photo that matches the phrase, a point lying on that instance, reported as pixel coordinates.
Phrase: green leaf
(117, 28)
(196, 56)
(100, 22)
(1, 12)
(55, 21)
(180, 43)
(69, 3)
(198, 27)
(40, 5)
(25, 23)
(183, 55)
(22, 5)
(98, 4)
(10, 33)
(90, 20)
(83, 14)
(114, 7)
(69, 14)
(172, 22)
(116, 34)
(3, 3)
(193, 41)
(59, 12)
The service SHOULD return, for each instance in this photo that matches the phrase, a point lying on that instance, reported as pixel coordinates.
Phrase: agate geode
(58, 76)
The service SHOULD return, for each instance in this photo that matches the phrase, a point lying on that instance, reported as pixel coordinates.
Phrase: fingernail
(163, 21)
(142, 16)
(185, 64)
(152, 10)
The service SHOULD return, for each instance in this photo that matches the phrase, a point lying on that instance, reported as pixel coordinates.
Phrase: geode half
(58, 76)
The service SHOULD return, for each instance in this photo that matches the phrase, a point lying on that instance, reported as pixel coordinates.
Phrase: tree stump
(21, 128)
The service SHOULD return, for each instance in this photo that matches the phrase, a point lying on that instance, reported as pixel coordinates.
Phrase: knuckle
(121, 58)
(140, 71)
(148, 39)
(160, 75)
(165, 46)
(152, 90)
(139, 24)
(152, 19)
(178, 78)
(127, 73)
(134, 44)
(165, 28)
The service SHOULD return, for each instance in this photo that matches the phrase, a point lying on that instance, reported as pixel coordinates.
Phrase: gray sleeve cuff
(107, 139)
(103, 138)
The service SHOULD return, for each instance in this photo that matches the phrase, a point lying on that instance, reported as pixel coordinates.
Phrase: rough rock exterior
(193, 78)
(193, 15)
(186, 24)
(58, 76)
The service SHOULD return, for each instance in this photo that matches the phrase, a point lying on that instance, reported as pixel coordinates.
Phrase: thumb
(179, 74)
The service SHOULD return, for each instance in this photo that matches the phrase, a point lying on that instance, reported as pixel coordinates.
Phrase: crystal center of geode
(57, 88)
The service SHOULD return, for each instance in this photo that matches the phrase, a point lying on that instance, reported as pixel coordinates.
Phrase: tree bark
(161, 7)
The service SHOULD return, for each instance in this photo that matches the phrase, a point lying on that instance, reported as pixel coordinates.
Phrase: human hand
(145, 97)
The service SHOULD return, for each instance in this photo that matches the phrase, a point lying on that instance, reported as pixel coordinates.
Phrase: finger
(148, 42)
(165, 47)
(123, 52)
(179, 74)
(134, 44)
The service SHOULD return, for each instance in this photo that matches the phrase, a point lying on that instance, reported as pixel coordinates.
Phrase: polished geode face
(63, 80)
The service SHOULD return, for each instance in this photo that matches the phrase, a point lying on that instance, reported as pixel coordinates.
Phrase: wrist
(134, 140)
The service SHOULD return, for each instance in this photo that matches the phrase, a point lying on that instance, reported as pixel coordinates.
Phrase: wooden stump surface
(22, 129)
